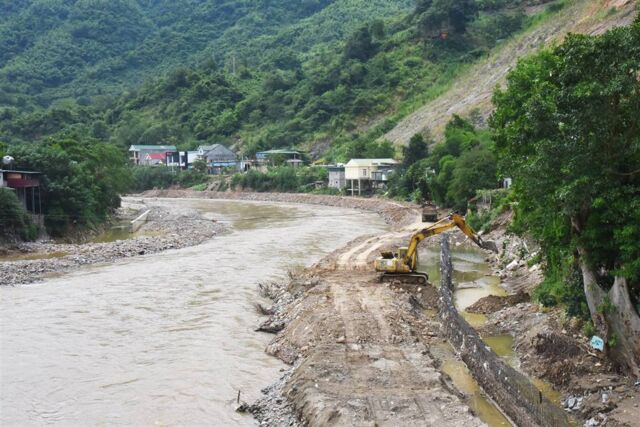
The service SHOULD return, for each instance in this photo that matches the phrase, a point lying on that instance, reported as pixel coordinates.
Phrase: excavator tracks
(415, 278)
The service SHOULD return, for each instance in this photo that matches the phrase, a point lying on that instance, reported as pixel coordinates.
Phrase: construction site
(405, 323)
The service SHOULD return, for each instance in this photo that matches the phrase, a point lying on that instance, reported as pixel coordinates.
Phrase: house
(367, 175)
(336, 177)
(26, 185)
(217, 157)
(153, 159)
(139, 153)
(290, 157)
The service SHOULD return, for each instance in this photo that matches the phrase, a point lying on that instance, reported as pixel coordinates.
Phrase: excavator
(402, 265)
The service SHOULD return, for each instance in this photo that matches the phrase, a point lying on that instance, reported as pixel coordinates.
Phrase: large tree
(437, 16)
(568, 131)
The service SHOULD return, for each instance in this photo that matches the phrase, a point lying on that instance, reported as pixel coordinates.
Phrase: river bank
(393, 212)
(164, 229)
(549, 345)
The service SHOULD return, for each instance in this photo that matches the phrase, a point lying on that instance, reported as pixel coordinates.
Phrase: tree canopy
(568, 132)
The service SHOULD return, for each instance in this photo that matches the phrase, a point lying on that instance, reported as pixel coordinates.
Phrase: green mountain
(52, 50)
(330, 80)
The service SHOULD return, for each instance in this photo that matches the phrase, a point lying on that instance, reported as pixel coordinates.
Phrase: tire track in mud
(363, 362)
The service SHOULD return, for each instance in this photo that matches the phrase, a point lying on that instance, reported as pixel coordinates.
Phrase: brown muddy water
(164, 339)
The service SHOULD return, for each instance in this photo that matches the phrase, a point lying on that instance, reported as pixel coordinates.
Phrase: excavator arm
(403, 264)
(445, 224)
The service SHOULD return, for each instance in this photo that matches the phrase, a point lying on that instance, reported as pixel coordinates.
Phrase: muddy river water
(165, 339)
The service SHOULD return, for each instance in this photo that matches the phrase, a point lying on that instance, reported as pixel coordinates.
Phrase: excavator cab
(403, 264)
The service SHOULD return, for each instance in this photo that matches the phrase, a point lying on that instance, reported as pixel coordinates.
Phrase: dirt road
(360, 349)
(364, 358)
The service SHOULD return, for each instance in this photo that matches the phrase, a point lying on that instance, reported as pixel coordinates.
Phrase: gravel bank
(166, 229)
(397, 213)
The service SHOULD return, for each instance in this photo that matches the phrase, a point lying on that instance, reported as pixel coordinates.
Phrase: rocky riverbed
(165, 229)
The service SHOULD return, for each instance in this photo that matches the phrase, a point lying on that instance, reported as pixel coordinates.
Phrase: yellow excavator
(402, 265)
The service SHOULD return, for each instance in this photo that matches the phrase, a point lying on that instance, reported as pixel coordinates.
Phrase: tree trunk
(622, 321)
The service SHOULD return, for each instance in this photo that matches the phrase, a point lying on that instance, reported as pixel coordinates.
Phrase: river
(164, 339)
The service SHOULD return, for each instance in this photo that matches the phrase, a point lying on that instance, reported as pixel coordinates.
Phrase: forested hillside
(52, 50)
(304, 84)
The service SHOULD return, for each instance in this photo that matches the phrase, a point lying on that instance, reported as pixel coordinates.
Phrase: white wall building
(367, 175)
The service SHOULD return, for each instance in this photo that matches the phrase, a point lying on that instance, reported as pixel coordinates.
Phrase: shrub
(150, 177)
(14, 221)
(192, 177)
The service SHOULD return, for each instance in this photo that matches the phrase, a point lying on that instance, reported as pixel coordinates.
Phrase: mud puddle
(120, 231)
(462, 379)
(502, 345)
(163, 339)
(474, 281)
(32, 256)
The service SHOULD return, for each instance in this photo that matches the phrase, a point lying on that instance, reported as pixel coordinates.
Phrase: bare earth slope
(474, 89)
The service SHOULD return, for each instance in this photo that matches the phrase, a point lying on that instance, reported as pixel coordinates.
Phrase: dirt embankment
(360, 355)
(166, 228)
(359, 349)
(551, 345)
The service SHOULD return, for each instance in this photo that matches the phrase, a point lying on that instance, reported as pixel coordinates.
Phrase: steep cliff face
(472, 92)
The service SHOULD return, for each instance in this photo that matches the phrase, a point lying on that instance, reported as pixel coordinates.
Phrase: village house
(364, 176)
(290, 157)
(149, 155)
(26, 185)
(336, 176)
(154, 159)
(217, 157)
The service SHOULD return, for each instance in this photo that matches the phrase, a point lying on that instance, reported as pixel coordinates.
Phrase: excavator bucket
(490, 245)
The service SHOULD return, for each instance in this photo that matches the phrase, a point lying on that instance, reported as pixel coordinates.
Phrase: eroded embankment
(166, 228)
(518, 397)
(473, 90)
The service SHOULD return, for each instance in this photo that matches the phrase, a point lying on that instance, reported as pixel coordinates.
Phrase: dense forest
(327, 77)
(331, 96)
(79, 50)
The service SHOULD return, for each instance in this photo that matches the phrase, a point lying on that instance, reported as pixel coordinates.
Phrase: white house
(366, 175)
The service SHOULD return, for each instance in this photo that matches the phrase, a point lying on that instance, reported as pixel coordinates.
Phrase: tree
(200, 165)
(82, 179)
(377, 29)
(436, 16)
(475, 169)
(417, 149)
(360, 45)
(568, 132)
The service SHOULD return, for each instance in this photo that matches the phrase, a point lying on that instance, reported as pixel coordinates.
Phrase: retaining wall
(511, 390)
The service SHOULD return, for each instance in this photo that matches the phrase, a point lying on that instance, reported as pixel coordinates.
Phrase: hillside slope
(474, 89)
(78, 49)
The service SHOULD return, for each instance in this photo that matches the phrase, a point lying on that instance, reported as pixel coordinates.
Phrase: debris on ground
(492, 303)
